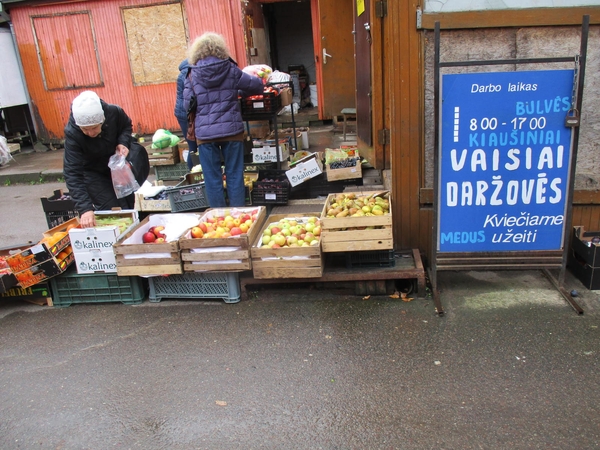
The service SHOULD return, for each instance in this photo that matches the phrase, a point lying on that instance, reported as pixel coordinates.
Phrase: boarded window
(66, 51)
(156, 42)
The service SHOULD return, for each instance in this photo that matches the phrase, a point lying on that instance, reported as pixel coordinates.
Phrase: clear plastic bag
(124, 181)
(5, 156)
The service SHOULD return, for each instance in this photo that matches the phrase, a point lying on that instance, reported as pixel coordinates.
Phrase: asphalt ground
(509, 365)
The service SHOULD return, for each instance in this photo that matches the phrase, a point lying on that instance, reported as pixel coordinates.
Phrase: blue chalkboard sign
(504, 161)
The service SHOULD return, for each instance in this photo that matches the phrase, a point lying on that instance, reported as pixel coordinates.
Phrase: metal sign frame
(509, 260)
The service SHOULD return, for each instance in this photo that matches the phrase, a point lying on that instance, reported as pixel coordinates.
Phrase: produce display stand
(271, 116)
(409, 266)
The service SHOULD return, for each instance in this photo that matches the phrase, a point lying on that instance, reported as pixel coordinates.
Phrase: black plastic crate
(59, 208)
(188, 197)
(55, 204)
(375, 258)
(271, 188)
(269, 103)
(320, 187)
(55, 218)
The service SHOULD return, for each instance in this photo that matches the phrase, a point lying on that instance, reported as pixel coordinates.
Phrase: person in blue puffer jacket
(181, 112)
(216, 81)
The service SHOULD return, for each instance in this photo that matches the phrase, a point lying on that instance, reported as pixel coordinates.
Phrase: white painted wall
(482, 5)
(12, 91)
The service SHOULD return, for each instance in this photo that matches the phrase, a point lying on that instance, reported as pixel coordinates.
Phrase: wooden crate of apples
(357, 221)
(221, 240)
(152, 247)
(288, 247)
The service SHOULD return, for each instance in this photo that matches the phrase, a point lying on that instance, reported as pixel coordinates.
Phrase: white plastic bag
(5, 156)
(124, 181)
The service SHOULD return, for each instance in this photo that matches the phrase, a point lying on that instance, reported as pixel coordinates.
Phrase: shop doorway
(315, 39)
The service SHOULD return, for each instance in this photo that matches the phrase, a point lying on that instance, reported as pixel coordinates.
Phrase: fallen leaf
(405, 298)
(395, 295)
(221, 403)
(366, 297)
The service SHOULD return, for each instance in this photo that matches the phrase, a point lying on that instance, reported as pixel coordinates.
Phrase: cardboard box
(346, 173)
(258, 129)
(44, 250)
(266, 153)
(133, 257)
(286, 96)
(38, 294)
(44, 270)
(230, 254)
(347, 234)
(304, 169)
(93, 246)
(96, 261)
(290, 262)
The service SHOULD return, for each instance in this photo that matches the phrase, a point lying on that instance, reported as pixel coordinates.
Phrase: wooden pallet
(406, 268)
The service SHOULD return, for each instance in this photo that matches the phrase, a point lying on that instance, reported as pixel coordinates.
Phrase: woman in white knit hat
(96, 130)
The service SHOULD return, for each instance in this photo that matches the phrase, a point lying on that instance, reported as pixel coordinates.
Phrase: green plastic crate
(71, 287)
(171, 172)
(225, 285)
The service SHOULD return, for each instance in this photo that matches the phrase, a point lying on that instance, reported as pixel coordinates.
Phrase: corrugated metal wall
(84, 44)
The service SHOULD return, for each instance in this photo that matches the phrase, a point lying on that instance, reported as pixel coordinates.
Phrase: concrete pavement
(510, 365)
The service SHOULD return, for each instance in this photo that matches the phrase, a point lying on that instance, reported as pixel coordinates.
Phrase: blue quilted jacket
(216, 83)
(180, 111)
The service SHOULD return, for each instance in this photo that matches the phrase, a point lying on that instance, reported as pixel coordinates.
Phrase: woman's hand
(122, 150)
(87, 219)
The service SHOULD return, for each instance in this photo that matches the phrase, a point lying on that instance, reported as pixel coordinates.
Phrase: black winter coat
(86, 158)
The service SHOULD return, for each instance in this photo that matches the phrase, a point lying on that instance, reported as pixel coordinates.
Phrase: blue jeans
(232, 153)
(192, 146)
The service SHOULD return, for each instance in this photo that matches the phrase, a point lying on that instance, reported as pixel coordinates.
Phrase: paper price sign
(504, 161)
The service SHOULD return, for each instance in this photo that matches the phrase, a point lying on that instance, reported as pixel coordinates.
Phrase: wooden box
(151, 205)
(345, 173)
(162, 156)
(347, 234)
(136, 258)
(230, 254)
(291, 262)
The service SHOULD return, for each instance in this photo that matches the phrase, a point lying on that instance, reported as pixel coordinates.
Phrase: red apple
(203, 227)
(157, 230)
(236, 231)
(148, 237)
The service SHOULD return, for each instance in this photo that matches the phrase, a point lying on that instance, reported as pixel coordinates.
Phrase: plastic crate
(269, 103)
(71, 287)
(376, 258)
(187, 197)
(171, 172)
(320, 187)
(275, 192)
(58, 211)
(224, 285)
(256, 167)
(55, 218)
(54, 204)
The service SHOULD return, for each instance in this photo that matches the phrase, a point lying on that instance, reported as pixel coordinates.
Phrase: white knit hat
(87, 110)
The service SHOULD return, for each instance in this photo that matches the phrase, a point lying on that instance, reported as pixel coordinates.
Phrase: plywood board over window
(66, 51)
(156, 42)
